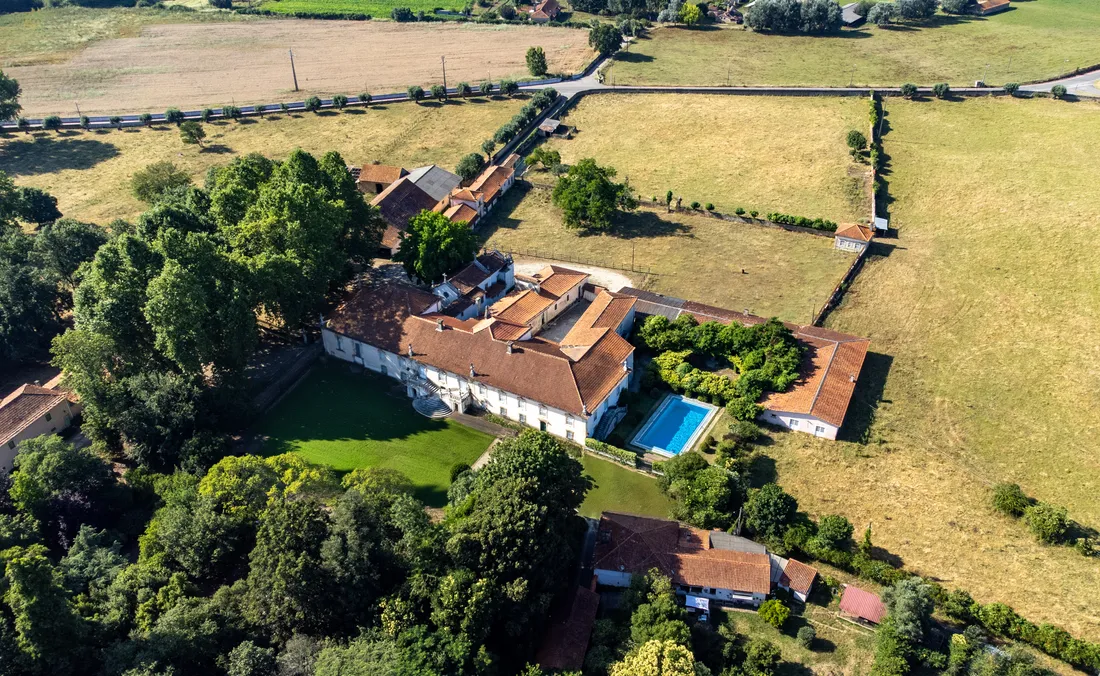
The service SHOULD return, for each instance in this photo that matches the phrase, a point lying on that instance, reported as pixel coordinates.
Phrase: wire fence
(626, 266)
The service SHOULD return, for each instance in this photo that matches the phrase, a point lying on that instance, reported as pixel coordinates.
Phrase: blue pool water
(673, 426)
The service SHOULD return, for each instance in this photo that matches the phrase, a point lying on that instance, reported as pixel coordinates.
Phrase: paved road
(1087, 84)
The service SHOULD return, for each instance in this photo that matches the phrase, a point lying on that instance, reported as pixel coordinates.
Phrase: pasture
(1034, 40)
(982, 317)
(89, 172)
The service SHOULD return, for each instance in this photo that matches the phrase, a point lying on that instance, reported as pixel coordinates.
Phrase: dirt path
(242, 63)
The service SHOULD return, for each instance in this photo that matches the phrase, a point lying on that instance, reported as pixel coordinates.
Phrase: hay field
(695, 257)
(762, 153)
(89, 172)
(983, 321)
(1034, 40)
(192, 65)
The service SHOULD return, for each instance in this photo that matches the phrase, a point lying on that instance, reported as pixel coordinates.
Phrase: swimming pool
(675, 426)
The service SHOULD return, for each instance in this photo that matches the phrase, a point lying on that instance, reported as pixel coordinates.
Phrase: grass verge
(1031, 41)
(348, 420)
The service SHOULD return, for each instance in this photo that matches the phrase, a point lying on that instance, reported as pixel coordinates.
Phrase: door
(542, 425)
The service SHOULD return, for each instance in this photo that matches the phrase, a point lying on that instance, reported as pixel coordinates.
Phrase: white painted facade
(618, 578)
(847, 244)
(448, 293)
(801, 422)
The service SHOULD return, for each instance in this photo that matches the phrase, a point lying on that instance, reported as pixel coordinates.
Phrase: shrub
(51, 122)
(806, 636)
(916, 9)
(485, 88)
(313, 104)
(882, 13)
(459, 469)
(233, 112)
(150, 182)
(508, 12)
(955, 6)
(1058, 91)
(146, 119)
(740, 211)
(509, 87)
(801, 221)
(1048, 522)
(708, 206)
(173, 115)
(463, 89)
(1010, 499)
(621, 456)
(402, 14)
(774, 612)
(694, 205)
(909, 90)
(415, 92)
(85, 121)
(364, 98)
(116, 121)
(207, 114)
(1011, 88)
(536, 61)
(439, 92)
(284, 108)
(942, 90)
(753, 213)
(222, 4)
(856, 140)
(339, 101)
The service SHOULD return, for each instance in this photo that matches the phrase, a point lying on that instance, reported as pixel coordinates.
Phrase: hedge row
(803, 222)
(538, 103)
(359, 16)
(621, 456)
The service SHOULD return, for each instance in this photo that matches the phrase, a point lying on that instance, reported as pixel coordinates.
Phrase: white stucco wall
(60, 417)
(845, 244)
(800, 422)
(612, 578)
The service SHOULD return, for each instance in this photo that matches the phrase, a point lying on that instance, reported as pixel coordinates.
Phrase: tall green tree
(910, 604)
(536, 61)
(605, 38)
(48, 632)
(37, 206)
(769, 511)
(9, 98)
(589, 199)
(151, 181)
(432, 246)
(61, 247)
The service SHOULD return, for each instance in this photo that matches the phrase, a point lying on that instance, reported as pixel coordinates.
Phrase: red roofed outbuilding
(862, 605)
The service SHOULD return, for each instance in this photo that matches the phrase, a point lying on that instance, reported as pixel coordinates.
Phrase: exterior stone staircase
(431, 407)
(610, 419)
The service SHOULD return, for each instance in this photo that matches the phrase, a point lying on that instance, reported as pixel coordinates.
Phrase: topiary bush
(774, 612)
(339, 101)
(117, 121)
(85, 121)
(1058, 91)
(908, 90)
(695, 205)
(1011, 88)
(146, 119)
(806, 636)
(942, 90)
(415, 92)
(173, 115)
(708, 207)
(313, 104)
(1048, 522)
(485, 88)
(52, 122)
(364, 98)
(439, 92)
(1009, 499)
(207, 114)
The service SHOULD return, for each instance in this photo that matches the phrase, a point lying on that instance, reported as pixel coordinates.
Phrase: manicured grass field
(762, 153)
(618, 489)
(1033, 40)
(695, 257)
(983, 321)
(350, 420)
(89, 172)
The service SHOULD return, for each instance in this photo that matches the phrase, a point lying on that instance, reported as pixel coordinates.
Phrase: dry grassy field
(1033, 40)
(695, 257)
(196, 64)
(983, 320)
(89, 172)
(762, 153)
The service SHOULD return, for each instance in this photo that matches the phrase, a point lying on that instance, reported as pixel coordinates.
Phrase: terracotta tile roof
(549, 8)
(798, 577)
(491, 180)
(556, 280)
(566, 639)
(606, 311)
(635, 544)
(505, 331)
(380, 173)
(494, 260)
(856, 231)
(461, 213)
(521, 307)
(989, 6)
(830, 368)
(465, 194)
(388, 318)
(510, 161)
(862, 604)
(401, 201)
(25, 405)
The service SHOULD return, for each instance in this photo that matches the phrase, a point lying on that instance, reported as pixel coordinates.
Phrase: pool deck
(701, 429)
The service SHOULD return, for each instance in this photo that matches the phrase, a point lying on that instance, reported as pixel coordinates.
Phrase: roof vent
(851, 378)
(411, 353)
(584, 408)
(439, 325)
(473, 374)
(626, 368)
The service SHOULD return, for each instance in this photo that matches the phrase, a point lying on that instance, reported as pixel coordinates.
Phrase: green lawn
(1035, 39)
(695, 257)
(619, 489)
(983, 320)
(376, 8)
(350, 420)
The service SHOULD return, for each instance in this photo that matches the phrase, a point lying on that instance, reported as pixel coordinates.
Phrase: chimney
(444, 277)
(473, 374)
(509, 348)
(584, 408)
(851, 378)
(411, 353)
(439, 325)
(625, 367)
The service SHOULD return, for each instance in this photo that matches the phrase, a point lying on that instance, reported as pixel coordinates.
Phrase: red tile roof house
(545, 11)
(860, 605)
(714, 565)
(32, 411)
(566, 639)
(854, 237)
(794, 576)
(818, 401)
(496, 362)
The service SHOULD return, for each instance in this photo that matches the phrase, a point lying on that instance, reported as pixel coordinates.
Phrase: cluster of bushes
(803, 222)
(538, 103)
(885, 13)
(619, 455)
(348, 16)
(874, 117)
(811, 17)
(766, 356)
(1049, 523)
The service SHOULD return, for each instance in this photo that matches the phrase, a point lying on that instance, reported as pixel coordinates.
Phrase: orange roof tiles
(461, 213)
(380, 173)
(491, 180)
(566, 639)
(521, 307)
(25, 405)
(798, 577)
(856, 231)
(747, 573)
(556, 280)
(606, 311)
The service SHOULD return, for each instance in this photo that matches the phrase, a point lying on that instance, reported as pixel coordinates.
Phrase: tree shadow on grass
(647, 224)
(217, 149)
(633, 57)
(47, 154)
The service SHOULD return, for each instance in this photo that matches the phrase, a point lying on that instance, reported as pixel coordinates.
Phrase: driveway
(1086, 84)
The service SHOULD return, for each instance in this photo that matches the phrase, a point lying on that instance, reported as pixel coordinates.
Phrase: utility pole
(444, 60)
(292, 71)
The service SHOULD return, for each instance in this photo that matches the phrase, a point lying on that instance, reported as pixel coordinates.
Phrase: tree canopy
(589, 199)
(432, 245)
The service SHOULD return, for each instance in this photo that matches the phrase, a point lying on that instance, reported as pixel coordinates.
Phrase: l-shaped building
(481, 338)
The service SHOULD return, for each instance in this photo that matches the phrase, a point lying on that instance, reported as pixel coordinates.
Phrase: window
(339, 343)
(523, 418)
(794, 424)
(384, 372)
(569, 435)
(481, 389)
(11, 444)
(355, 349)
(49, 417)
(504, 410)
(819, 430)
(542, 410)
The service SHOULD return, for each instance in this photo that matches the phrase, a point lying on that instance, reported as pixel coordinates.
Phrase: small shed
(850, 16)
(862, 605)
(548, 127)
(881, 224)
(987, 7)
(853, 237)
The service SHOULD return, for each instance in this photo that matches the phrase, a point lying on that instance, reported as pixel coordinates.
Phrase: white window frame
(794, 423)
(569, 435)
